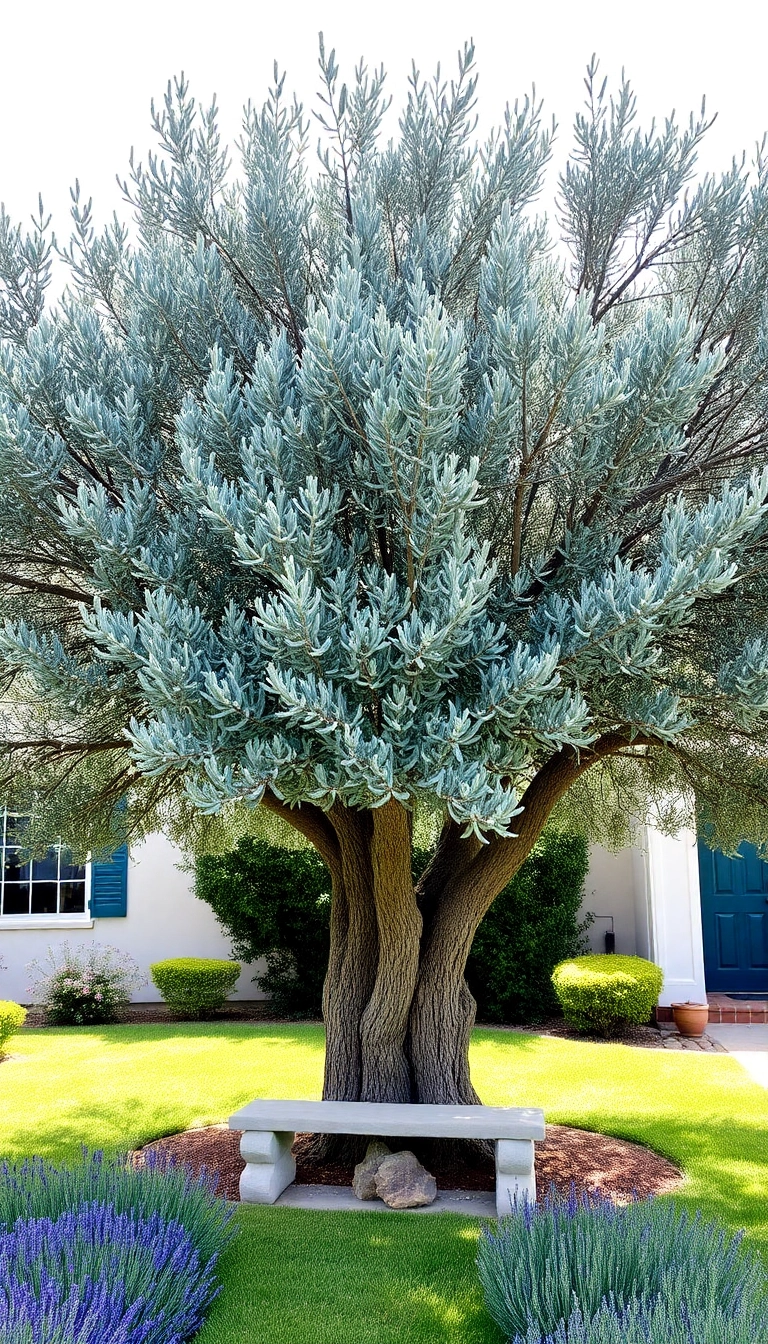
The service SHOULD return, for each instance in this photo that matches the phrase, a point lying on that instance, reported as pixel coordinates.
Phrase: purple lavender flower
(94, 1276)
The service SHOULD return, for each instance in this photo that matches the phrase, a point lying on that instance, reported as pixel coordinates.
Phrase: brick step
(724, 1009)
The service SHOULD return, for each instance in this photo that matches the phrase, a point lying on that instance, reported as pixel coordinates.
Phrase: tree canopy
(361, 483)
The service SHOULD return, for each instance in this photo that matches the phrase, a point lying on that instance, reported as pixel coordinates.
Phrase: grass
(296, 1277)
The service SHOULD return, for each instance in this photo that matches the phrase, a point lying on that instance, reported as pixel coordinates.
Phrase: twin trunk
(398, 1012)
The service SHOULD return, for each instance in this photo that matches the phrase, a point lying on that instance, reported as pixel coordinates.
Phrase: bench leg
(515, 1179)
(270, 1165)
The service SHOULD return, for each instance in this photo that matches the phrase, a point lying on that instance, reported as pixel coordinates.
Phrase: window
(50, 886)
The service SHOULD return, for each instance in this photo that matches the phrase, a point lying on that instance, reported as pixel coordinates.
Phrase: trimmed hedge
(12, 1017)
(600, 993)
(194, 986)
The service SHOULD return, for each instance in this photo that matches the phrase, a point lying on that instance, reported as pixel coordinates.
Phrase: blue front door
(734, 912)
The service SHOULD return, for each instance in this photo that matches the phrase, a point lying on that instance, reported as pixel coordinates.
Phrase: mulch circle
(568, 1157)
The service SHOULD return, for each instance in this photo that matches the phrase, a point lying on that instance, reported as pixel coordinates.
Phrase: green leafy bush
(558, 1264)
(274, 903)
(84, 985)
(194, 986)
(531, 926)
(603, 993)
(12, 1017)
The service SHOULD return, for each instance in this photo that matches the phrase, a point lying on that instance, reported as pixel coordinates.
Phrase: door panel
(734, 913)
(757, 926)
(727, 954)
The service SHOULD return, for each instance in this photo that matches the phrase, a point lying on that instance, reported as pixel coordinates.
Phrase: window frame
(49, 919)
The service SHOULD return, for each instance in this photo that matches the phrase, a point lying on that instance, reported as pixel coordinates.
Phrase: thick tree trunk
(353, 960)
(386, 1074)
(398, 1012)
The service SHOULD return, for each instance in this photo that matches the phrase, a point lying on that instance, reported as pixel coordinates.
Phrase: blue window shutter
(109, 886)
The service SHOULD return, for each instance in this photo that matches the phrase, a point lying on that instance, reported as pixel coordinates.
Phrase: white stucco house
(701, 916)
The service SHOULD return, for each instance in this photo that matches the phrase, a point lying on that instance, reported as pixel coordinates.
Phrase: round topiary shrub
(194, 986)
(12, 1017)
(601, 994)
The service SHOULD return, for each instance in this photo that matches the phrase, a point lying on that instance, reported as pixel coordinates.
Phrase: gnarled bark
(397, 1008)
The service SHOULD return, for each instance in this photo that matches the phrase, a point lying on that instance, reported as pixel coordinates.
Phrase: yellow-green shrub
(12, 1016)
(602, 993)
(194, 986)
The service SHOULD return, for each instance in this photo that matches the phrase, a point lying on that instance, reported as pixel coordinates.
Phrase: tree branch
(53, 589)
(312, 823)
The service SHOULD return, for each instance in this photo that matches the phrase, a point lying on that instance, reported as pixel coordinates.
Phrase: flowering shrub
(657, 1322)
(84, 985)
(582, 1271)
(35, 1189)
(12, 1016)
(134, 1266)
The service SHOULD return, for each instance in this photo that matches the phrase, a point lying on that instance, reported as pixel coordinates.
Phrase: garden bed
(567, 1157)
(259, 1010)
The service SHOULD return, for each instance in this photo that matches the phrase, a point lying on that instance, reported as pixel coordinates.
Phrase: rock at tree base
(403, 1183)
(364, 1179)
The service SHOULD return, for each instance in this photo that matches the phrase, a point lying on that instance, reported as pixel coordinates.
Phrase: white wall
(164, 919)
(652, 891)
(610, 890)
(675, 910)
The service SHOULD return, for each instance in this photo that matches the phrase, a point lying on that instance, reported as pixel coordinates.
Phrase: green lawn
(313, 1278)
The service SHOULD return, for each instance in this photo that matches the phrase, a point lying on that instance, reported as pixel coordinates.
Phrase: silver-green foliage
(564, 1257)
(36, 1189)
(351, 484)
(658, 1323)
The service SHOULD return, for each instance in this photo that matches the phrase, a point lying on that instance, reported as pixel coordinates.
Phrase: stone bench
(269, 1128)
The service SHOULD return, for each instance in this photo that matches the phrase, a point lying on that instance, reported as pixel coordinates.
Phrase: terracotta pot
(691, 1018)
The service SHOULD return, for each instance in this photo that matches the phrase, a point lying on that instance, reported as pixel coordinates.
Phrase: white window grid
(52, 886)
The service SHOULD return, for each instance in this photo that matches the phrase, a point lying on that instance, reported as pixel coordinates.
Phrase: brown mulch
(590, 1161)
(258, 1010)
(142, 1014)
(647, 1037)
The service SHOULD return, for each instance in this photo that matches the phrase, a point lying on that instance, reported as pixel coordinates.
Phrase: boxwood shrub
(600, 994)
(194, 986)
(12, 1017)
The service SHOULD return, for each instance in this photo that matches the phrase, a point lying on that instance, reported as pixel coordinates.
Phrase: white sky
(77, 76)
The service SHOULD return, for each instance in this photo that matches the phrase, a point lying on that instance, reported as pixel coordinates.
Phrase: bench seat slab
(395, 1120)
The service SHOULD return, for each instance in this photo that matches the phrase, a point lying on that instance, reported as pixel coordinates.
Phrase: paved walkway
(749, 1045)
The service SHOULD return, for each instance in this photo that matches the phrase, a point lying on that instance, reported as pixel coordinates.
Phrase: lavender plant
(659, 1323)
(153, 1273)
(84, 985)
(547, 1260)
(53, 1316)
(35, 1189)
